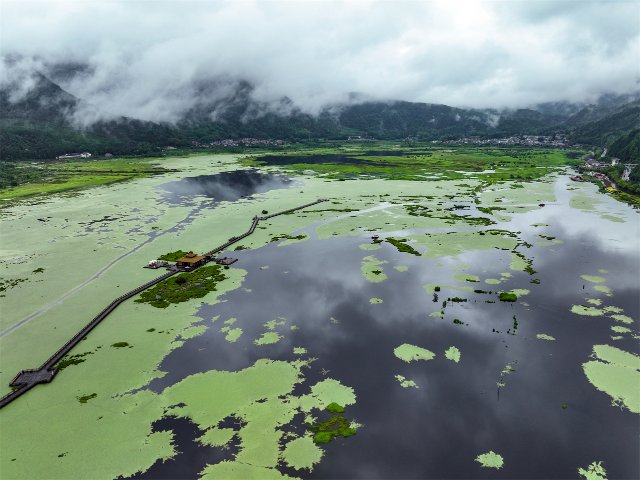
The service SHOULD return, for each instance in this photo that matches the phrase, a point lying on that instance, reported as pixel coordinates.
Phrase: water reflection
(224, 186)
(437, 430)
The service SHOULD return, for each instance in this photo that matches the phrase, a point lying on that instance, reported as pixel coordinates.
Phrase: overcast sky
(147, 55)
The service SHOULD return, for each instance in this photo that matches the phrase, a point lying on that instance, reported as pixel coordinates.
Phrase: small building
(190, 261)
(73, 155)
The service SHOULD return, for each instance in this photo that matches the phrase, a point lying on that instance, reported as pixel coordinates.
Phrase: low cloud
(159, 60)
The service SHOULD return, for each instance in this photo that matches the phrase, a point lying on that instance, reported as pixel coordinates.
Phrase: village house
(73, 155)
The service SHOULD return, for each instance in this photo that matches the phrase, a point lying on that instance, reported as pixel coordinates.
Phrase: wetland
(466, 314)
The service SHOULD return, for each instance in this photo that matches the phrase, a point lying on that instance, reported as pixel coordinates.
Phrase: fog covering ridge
(165, 62)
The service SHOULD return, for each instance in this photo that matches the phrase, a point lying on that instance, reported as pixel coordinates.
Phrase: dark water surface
(318, 159)
(437, 430)
(224, 186)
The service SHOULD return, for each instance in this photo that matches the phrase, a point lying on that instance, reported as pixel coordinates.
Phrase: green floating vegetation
(86, 398)
(336, 426)
(620, 329)
(268, 338)
(10, 283)
(120, 345)
(302, 236)
(622, 318)
(402, 246)
(372, 269)
(603, 289)
(521, 263)
(375, 301)
(173, 256)
(490, 460)
(401, 268)
(405, 382)
(302, 453)
(507, 297)
(616, 373)
(595, 471)
(544, 336)
(409, 353)
(593, 278)
(453, 354)
(183, 287)
(69, 360)
(299, 350)
(586, 311)
(233, 335)
(334, 407)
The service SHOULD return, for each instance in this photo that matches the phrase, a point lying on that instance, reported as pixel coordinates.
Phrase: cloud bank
(155, 60)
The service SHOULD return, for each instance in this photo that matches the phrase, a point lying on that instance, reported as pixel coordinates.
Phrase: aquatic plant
(507, 297)
(69, 360)
(120, 345)
(302, 453)
(490, 460)
(284, 236)
(401, 246)
(458, 299)
(616, 373)
(172, 256)
(335, 426)
(183, 287)
(453, 354)
(86, 398)
(409, 353)
(595, 471)
(333, 407)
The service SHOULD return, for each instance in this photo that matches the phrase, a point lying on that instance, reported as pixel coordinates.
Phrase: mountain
(627, 147)
(603, 126)
(42, 122)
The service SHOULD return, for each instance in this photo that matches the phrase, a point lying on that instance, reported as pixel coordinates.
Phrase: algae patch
(586, 311)
(453, 354)
(490, 460)
(183, 287)
(405, 382)
(302, 453)
(595, 471)
(268, 338)
(372, 269)
(544, 336)
(593, 278)
(409, 353)
(616, 373)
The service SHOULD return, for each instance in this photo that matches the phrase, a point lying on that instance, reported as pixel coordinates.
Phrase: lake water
(225, 186)
(545, 421)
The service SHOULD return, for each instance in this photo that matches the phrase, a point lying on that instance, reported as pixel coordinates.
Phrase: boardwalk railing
(25, 380)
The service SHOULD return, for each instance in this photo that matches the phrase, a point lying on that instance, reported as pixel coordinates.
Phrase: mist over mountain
(123, 77)
(40, 119)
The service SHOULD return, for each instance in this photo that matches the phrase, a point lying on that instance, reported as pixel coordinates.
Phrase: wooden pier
(25, 380)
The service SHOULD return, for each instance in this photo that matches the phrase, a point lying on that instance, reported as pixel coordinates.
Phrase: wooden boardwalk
(25, 380)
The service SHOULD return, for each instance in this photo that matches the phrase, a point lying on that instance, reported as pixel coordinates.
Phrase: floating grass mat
(402, 246)
(335, 426)
(183, 287)
(173, 256)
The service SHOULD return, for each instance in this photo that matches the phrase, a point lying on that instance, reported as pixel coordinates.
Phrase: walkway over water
(25, 380)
